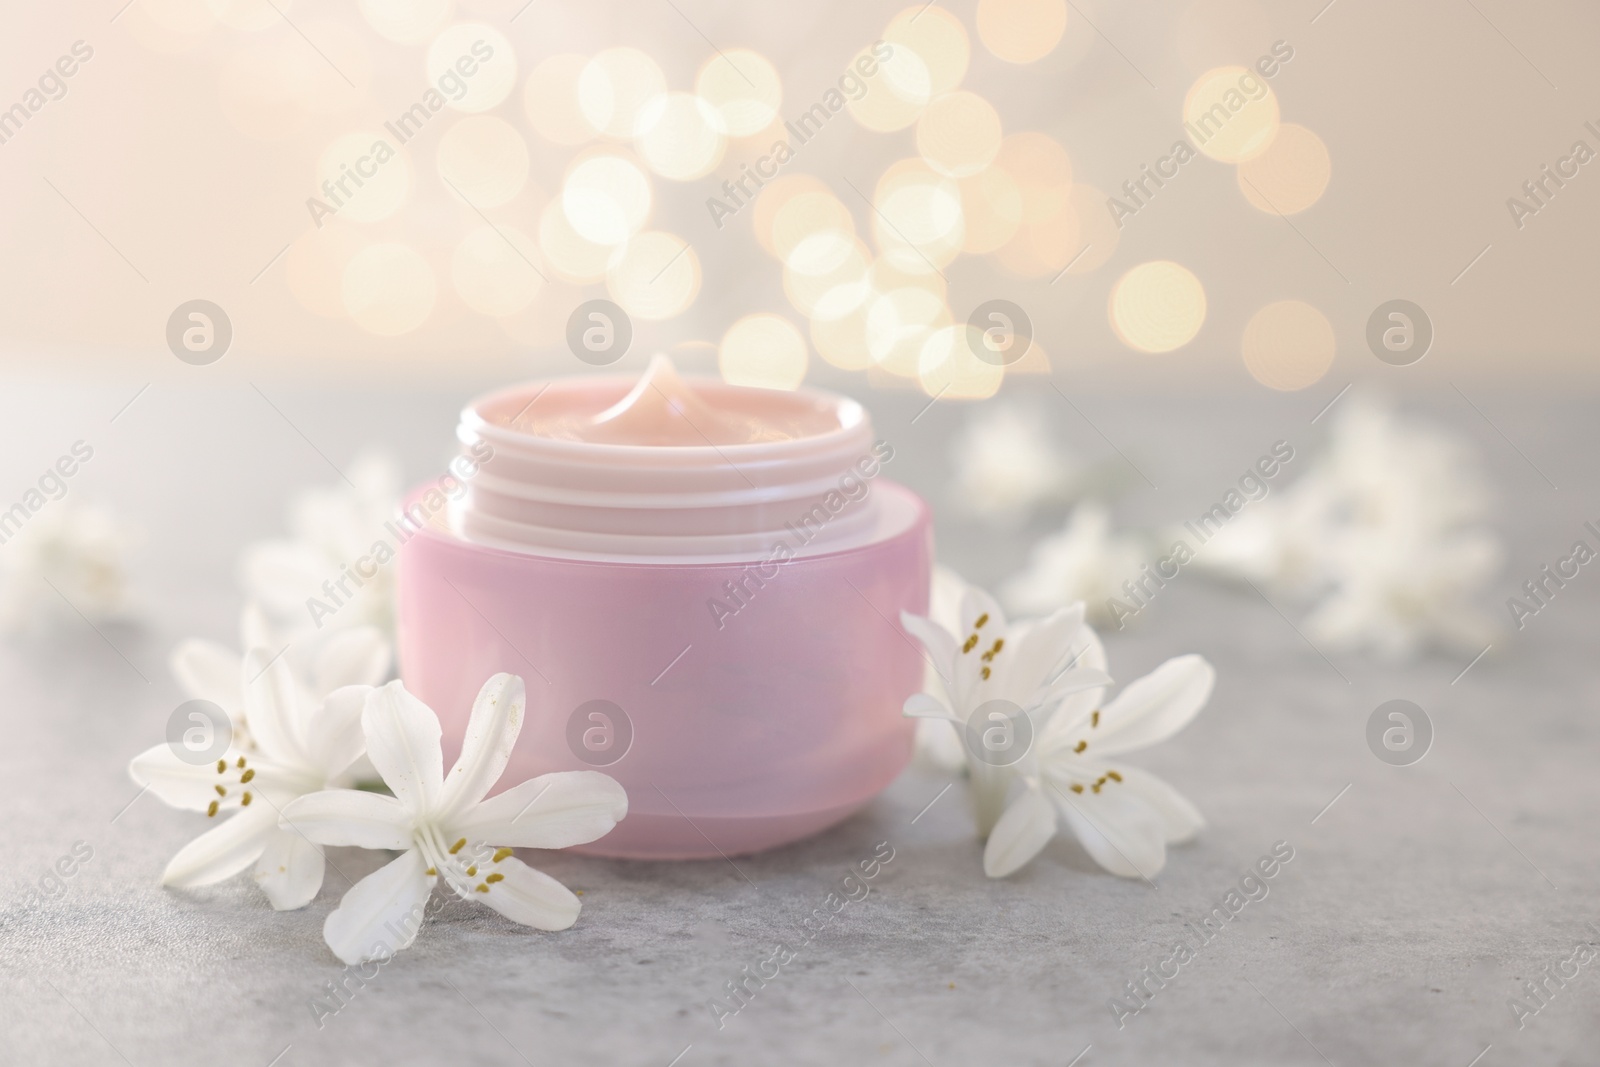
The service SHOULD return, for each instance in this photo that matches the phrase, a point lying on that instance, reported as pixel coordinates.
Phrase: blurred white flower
(81, 549)
(1084, 561)
(938, 746)
(1006, 465)
(330, 528)
(1383, 535)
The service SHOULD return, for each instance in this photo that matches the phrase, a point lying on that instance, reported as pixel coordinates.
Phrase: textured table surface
(1414, 907)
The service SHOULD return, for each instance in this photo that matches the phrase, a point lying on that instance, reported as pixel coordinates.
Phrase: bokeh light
(572, 257)
(654, 276)
(1290, 175)
(1157, 307)
(744, 89)
(495, 270)
(1231, 114)
(614, 87)
(678, 136)
(250, 15)
(363, 177)
(485, 159)
(991, 204)
(765, 351)
(948, 367)
(606, 198)
(388, 289)
(550, 100)
(479, 58)
(1021, 31)
(917, 224)
(1288, 345)
(959, 134)
(1042, 171)
(931, 53)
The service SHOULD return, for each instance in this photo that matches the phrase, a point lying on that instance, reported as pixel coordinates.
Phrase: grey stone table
(1415, 906)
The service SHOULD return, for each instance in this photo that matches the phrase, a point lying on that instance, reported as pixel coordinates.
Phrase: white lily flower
(330, 529)
(1032, 665)
(444, 825)
(1084, 561)
(1124, 817)
(1006, 465)
(287, 744)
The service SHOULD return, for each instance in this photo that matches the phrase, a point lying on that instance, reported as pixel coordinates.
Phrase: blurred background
(1368, 154)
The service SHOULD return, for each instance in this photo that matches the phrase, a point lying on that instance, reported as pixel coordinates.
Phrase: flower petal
(382, 913)
(529, 897)
(1040, 650)
(550, 811)
(290, 871)
(403, 744)
(1025, 828)
(279, 574)
(491, 732)
(271, 706)
(1153, 708)
(1180, 819)
(1117, 828)
(350, 817)
(940, 645)
(975, 604)
(222, 851)
(333, 733)
(207, 671)
(175, 782)
(925, 706)
(357, 655)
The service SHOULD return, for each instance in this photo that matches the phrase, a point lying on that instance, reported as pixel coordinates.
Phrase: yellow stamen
(212, 810)
(247, 775)
(482, 888)
(493, 878)
(986, 673)
(501, 853)
(244, 801)
(431, 872)
(221, 792)
(981, 620)
(999, 643)
(1095, 787)
(1081, 746)
(1114, 776)
(241, 763)
(473, 870)
(222, 766)
(972, 643)
(1076, 788)
(1094, 719)
(458, 846)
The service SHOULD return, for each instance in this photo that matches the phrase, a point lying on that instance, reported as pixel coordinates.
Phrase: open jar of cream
(700, 583)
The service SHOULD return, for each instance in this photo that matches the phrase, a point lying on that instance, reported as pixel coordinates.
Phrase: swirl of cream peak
(662, 409)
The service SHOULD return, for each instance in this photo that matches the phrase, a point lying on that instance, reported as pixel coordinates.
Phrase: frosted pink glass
(781, 722)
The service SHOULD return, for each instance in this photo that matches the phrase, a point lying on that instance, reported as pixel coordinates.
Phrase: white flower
(330, 529)
(81, 549)
(1383, 536)
(446, 827)
(1123, 816)
(286, 743)
(1031, 665)
(1006, 465)
(1084, 561)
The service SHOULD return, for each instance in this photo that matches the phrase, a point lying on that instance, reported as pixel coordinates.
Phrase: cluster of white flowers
(1047, 678)
(281, 791)
(1383, 537)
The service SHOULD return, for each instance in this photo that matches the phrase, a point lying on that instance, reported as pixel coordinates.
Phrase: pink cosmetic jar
(701, 585)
